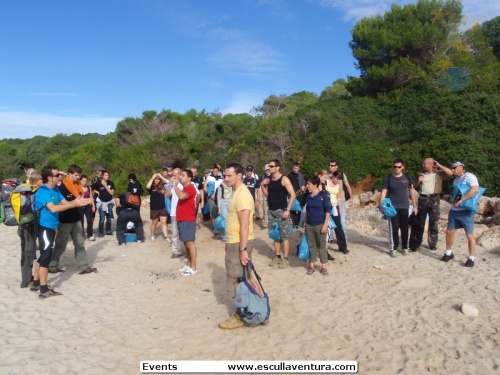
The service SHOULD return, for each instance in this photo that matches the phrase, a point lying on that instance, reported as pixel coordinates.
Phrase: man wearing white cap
(461, 217)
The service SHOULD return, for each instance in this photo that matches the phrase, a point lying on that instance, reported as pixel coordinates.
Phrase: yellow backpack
(22, 201)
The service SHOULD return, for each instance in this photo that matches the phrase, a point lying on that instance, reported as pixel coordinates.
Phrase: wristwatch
(243, 248)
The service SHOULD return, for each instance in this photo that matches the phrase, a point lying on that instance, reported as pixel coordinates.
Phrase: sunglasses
(56, 175)
(333, 165)
(397, 166)
(272, 166)
(455, 167)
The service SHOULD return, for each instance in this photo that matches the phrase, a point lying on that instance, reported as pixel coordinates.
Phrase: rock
(469, 310)
(484, 206)
(495, 203)
(495, 219)
(489, 239)
(364, 198)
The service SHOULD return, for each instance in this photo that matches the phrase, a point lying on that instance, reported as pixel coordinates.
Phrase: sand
(393, 315)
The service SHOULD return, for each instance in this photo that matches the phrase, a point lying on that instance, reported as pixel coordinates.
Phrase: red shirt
(186, 208)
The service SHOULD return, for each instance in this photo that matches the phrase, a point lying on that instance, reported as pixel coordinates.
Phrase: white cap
(130, 225)
(266, 167)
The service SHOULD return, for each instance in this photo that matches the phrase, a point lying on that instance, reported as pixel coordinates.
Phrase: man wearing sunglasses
(461, 217)
(48, 203)
(396, 186)
(280, 196)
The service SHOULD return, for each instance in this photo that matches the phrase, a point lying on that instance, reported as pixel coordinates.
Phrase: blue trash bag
(470, 203)
(220, 223)
(274, 233)
(296, 206)
(331, 223)
(168, 205)
(303, 249)
(388, 208)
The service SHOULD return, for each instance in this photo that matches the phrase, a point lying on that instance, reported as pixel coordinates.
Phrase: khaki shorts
(234, 268)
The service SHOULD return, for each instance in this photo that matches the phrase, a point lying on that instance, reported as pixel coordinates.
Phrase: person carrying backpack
(27, 231)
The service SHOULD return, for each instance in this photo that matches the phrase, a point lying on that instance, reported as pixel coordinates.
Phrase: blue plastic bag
(388, 208)
(210, 188)
(470, 203)
(274, 233)
(296, 206)
(220, 223)
(168, 205)
(303, 252)
(331, 223)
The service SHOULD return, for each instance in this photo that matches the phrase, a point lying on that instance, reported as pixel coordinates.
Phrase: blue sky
(82, 66)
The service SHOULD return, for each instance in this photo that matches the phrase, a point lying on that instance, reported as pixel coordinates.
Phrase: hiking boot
(275, 262)
(34, 288)
(233, 322)
(55, 270)
(49, 293)
(447, 258)
(469, 263)
(284, 264)
(394, 253)
(88, 270)
(405, 251)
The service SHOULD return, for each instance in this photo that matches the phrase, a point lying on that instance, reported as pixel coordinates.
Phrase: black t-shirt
(73, 214)
(197, 182)
(157, 200)
(104, 196)
(397, 190)
(135, 188)
(252, 184)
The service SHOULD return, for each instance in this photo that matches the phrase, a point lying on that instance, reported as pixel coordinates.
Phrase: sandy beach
(393, 315)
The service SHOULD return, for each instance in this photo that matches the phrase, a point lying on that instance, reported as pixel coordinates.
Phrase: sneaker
(329, 257)
(153, 238)
(275, 262)
(183, 268)
(310, 271)
(140, 241)
(405, 252)
(36, 288)
(323, 271)
(101, 235)
(233, 322)
(284, 264)
(91, 238)
(176, 255)
(447, 258)
(109, 233)
(189, 271)
(432, 248)
(88, 270)
(394, 253)
(168, 240)
(122, 244)
(469, 263)
(49, 293)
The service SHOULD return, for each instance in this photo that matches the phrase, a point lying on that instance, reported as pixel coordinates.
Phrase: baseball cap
(250, 168)
(168, 165)
(267, 166)
(100, 168)
(130, 225)
(458, 164)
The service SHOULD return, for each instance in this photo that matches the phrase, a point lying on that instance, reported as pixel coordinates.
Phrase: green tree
(491, 30)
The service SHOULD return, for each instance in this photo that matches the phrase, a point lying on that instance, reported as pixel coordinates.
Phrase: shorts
(275, 216)
(46, 239)
(461, 219)
(187, 230)
(155, 214)
(214, 211)
(234, 268)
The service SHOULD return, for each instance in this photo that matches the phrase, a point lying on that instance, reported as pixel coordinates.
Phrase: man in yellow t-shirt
(239, 236)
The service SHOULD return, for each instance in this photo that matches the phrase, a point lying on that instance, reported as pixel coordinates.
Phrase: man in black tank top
(280, 196)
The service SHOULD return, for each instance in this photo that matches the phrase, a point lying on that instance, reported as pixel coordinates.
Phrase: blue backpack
(253, 308)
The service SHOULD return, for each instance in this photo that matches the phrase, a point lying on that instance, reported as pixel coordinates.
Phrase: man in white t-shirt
(461, 217)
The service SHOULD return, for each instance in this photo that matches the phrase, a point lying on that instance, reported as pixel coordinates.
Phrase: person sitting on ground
(127, 213)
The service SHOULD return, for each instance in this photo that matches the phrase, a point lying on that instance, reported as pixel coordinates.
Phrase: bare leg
(471, 240)
(191, 254)
(450, 236)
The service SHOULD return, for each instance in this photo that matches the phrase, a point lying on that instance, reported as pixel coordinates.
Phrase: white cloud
(27, 124)
(354, 10)
(248, 58)
(243, 102)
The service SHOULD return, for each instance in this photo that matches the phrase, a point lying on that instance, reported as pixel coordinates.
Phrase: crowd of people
(315, 205)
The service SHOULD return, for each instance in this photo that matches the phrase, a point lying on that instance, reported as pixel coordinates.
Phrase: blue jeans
(105, 215)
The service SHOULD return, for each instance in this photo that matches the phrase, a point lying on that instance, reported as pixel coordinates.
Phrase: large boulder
(490, 238)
